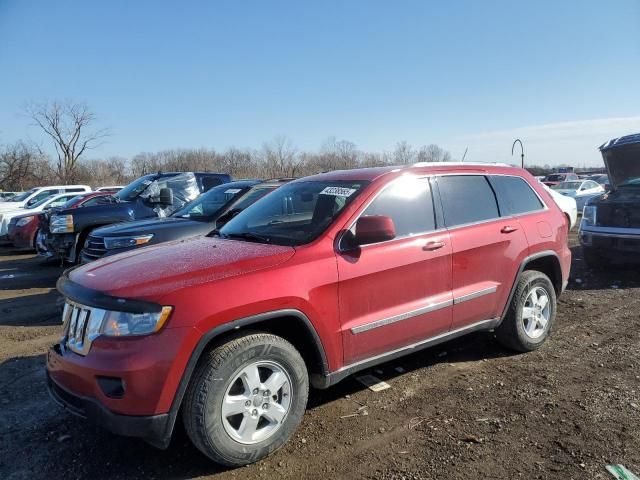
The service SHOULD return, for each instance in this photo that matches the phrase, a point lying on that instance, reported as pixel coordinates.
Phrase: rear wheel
(246, 398)
(531, 313)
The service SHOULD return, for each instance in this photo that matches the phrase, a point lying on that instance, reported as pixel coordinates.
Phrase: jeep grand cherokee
(326, 276)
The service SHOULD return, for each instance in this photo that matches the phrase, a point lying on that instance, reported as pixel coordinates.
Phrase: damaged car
(610, 228)
(150, 196)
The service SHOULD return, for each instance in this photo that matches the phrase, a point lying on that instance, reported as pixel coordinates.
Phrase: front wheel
(531, 313)
(246, 398)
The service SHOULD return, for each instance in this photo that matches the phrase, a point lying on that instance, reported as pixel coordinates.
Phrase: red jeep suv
(327, 275)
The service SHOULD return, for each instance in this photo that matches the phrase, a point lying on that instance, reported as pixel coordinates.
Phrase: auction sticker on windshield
(338, 191)
(232, 190)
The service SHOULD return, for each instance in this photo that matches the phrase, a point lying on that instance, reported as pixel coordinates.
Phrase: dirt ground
(463, 410)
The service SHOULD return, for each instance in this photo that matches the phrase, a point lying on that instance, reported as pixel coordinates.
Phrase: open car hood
(622, 158)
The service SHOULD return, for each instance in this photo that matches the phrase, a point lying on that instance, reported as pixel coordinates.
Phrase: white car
(566, 204)
(34, 195)
(47, 202)
(581, 190)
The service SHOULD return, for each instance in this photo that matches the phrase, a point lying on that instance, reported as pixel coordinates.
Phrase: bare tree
(404, 154)
(21, 165)
(280, 157)
(433, 153)
(69, 125)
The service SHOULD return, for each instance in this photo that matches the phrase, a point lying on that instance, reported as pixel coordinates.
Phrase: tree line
(70, 127)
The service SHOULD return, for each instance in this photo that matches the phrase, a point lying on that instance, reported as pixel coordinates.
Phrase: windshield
(632, 182)
(209, 204)
(294, 214)
(567, 186)
(37, 204)
(135, 188)
(555, 178)
(22, 197)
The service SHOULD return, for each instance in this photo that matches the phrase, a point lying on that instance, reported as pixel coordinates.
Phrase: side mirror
(166, 196)
(374, 229)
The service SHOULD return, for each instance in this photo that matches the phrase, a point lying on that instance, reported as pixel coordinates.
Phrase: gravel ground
(466, 409)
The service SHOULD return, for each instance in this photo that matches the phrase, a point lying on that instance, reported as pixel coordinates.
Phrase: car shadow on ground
(616, 275)
(34, 310)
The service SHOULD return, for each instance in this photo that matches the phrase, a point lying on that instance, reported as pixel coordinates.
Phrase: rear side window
(515, 195)
(467, 199)
(74, 190)
(409, 204)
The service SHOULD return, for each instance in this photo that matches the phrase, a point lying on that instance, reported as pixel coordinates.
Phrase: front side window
(409, 204)
(209, 204)
(515, 196)
(41, 196)
(294, 214)
(467, 199)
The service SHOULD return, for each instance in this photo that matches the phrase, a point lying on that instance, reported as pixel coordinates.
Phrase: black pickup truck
(151, 196)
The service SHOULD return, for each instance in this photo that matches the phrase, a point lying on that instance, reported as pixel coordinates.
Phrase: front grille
(618, 216)
(80, 324)
(94, 247)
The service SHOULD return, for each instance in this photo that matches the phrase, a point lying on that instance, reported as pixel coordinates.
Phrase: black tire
(511, 333)
(592, 258)
(214, 375)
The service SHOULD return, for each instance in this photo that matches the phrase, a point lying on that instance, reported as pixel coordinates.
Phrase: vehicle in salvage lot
(580, 190)
(325, 276)
(199, 217)
(37, 194)
(556, 178)
(33, 209)
(568, 205)
(610, 227)
(23, 229)
(151, 196)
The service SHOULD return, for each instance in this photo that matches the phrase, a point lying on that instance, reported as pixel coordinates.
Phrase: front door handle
(508, 229)
(431, 246)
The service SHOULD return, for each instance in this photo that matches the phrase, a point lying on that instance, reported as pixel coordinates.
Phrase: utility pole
(517, 140)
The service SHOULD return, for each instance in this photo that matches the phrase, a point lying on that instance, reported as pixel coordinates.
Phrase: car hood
(622, 162)
(17, 211)
(6, 206)
(142, 227)
(154, 271)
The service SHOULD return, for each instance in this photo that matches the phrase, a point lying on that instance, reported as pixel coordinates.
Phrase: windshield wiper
(249, 236)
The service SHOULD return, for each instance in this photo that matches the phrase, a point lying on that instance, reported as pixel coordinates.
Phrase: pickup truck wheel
(246, 398)
(531, 313)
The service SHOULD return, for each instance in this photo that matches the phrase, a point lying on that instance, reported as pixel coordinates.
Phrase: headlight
(117, 324)
(111, 243)
(61, 224)
(589, 215)
(23, 221)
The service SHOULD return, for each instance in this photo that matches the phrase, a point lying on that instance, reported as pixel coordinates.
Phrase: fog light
(112, 387)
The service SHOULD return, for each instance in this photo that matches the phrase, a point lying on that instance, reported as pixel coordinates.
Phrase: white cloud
(574, 143)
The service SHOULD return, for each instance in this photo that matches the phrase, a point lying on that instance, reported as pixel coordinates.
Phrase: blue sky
(561, 75)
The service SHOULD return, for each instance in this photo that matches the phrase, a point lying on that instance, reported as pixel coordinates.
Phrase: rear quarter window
(467, 199)
(515, 195)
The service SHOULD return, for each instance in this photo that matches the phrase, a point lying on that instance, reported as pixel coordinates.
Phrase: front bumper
(611, 240)
(155, 429)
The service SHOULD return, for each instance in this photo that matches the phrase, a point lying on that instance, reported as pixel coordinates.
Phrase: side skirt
(334, 377)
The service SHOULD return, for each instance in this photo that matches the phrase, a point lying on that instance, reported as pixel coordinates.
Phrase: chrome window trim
(422, 310)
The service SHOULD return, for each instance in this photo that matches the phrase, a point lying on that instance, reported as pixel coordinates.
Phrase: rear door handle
(431, 246)
(508, 229)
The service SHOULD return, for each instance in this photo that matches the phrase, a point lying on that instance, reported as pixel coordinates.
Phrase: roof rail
(459, 164)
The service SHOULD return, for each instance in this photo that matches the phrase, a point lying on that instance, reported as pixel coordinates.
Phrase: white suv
(34, 195)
